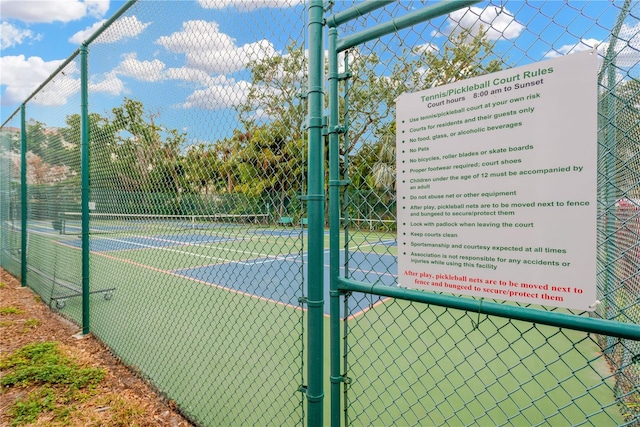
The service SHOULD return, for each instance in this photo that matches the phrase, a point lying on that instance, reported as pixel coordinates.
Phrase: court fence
(211, 189)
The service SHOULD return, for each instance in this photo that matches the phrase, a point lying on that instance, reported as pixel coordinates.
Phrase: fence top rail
(109, 21)
(413, 18)
(355, 12)
(11, 117)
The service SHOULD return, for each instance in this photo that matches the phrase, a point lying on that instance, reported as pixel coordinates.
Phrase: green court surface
(227, 354)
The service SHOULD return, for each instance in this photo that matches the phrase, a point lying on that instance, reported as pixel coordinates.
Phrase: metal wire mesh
(10, 196)
(197, 164)
(196, 146)
(409, 364)
(52, 176)
(193, 168)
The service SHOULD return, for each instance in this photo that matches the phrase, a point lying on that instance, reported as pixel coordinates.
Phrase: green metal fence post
(84, 172)
(334, 229)
(23, 196)
(315, 388)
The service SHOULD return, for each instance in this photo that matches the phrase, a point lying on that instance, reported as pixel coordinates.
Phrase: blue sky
(186, 60)
(182, 59)
(36, 37)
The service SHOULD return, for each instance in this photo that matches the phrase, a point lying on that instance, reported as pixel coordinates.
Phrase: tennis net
(71, 222)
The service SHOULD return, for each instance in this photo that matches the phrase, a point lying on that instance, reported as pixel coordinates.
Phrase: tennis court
(193, 281)
(221, 253)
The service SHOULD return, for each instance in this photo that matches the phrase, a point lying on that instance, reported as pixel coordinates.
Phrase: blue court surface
(277, 278)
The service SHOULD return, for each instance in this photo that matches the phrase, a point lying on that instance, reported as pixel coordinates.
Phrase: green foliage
(58, 380)
(619, 110)
(277, 83)
(31, 323)
(464, 56)
(10, 310)
(142, 155)
(43, 363)
(372, 165)
(28, 410)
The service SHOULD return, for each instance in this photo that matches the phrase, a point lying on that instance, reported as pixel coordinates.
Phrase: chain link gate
(399, 357)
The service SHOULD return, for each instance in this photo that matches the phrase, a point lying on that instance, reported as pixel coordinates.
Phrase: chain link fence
(195, 242)
(10, 195)
(191, 175)
(193, 225)
(408, 363)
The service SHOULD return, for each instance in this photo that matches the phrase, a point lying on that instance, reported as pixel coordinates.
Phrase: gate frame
(343, 285)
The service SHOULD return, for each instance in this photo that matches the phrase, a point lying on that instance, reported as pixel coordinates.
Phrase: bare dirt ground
(121, 399)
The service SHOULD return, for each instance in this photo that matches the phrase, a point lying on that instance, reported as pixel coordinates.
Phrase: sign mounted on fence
(497, 185)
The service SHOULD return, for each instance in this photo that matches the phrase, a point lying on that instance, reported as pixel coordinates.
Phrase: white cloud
(232, 59)
(11, 35)
(224, 94)
(22, 76)
(197, 34)
(81, 36)
(97, 8)
(109, 83)
(496, 21)
(206, 48)
(128, 26)
(581, 46)
(189, 75)
(60, 87)
(249, 4)
(50, 11)
(146, 71)
(627, 47)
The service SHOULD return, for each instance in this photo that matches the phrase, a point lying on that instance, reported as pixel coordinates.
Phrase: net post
(23, 196)
(84, 172)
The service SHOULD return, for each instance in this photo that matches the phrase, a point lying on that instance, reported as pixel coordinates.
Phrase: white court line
(208, 257)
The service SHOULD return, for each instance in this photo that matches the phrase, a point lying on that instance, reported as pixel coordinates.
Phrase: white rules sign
(496, 185)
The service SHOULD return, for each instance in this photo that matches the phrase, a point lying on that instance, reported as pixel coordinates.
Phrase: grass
(53, 380)
(125, 413)
(10, 310)
(31, 323)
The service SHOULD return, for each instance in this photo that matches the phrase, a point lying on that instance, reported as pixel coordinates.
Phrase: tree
(36, 137)
(462, 57)
(129, 152)
(202, 169)
(622, 127)
(276, 92)
(102, 142)
(465, 55)
(274, 112)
